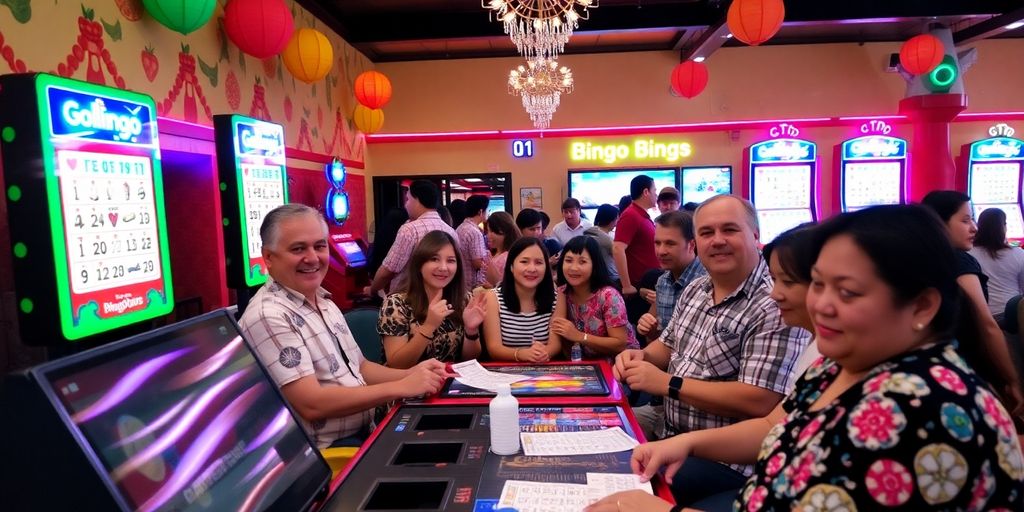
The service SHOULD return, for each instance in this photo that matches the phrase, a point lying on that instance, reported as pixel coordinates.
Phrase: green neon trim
(943, 75)
(7, 134)
(20, 250)
(79, 324)
(14, 193)
(26, 306)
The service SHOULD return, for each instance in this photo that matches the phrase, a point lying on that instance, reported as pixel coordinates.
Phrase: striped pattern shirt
(740, 339)
(667, 291)
(409, 236)
(519, 330)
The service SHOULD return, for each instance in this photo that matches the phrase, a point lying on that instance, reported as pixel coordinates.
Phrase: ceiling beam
(988, 28)
(712, 39)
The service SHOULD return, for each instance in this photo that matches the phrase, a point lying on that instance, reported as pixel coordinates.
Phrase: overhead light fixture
(540, 83)
(728, 35)
(540, 28)
(1015, 25)
(698, 59)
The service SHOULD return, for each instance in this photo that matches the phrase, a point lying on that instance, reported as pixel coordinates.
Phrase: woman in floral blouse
(892, 416)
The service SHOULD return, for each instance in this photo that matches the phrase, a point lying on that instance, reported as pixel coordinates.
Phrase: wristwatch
(674, 385)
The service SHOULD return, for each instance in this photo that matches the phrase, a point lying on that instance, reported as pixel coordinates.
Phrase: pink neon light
(431, 134)
(869, 118)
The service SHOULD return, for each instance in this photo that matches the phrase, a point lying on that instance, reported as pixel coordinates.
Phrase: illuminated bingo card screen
(254, 180)
(994, 180)
(85, 198)
(782, 180)
(873, 171)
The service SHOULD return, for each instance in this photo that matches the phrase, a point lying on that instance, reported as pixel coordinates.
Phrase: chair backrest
(363, 324)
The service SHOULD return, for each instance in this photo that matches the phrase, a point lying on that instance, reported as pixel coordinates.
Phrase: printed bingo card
(254, 181)
(87, 216)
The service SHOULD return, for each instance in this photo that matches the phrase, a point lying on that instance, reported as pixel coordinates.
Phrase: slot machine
(346, 275)
(782, 181)
(872, 169)
(85, 208)
(993, 176)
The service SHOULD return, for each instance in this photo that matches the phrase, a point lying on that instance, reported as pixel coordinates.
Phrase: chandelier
(540, 28)
(540, 83)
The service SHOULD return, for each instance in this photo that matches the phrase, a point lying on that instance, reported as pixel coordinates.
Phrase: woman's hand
(537, 353)
(628, 501)
(438, 310)
(474, 313)
(566, 329)
(649, 457)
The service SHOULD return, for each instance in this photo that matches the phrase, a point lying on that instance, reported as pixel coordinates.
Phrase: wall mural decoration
(191, 77)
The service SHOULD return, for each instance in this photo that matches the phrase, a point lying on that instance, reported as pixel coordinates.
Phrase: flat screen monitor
(601, 186)
(872, 183)
(185, 418)
(1014, 218)
(996, 182)
(496, 204)
(700, 183)
(353, 253)
(774, 222)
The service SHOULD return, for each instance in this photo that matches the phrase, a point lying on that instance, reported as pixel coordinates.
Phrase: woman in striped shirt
(517, 324)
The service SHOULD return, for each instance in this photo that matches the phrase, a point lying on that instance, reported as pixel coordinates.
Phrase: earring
(919, 326)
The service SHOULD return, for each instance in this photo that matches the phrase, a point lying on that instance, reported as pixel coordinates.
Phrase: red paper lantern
(920, 54)
(689, 78)
(261, 28)
(755, 21)
(373, 89)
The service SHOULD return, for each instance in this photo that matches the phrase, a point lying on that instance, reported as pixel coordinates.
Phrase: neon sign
(81, 115)
(783, 130)
(876, 126)
(1001, 130)
(874, 147)
(258, 138)
(336, 203)
(640, 149)
(522, 148)
(998, 148)
(783, 150)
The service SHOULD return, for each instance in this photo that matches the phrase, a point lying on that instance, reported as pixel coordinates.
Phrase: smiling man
(302, 339)
(726, 354)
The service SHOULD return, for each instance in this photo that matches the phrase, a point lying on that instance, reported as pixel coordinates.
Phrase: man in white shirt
(572, 224)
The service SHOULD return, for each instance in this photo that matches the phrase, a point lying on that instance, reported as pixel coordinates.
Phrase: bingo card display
(254, 180)
(783, 184)
(994, 180)
(85, 207)
(873, 172)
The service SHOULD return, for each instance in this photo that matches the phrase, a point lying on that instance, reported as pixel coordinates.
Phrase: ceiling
(406, 30)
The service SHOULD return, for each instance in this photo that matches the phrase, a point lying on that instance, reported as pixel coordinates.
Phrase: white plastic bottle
(504, 422)
(576, 352)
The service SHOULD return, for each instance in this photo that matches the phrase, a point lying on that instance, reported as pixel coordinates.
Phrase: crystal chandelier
(540, 83)
(540, 28)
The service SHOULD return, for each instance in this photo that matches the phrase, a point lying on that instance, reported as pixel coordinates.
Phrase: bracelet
(674, 385)
(473, 337)
(516, 354)
(584, 338)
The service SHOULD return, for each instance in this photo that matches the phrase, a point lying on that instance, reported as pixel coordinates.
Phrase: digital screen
(995, 182)
(782, 186)
(594, 188)
(184, 420)
(496, 204)
(105, 190)
(1014, 219)
(700, 183)
(774, 222)
(353, 253)
(251, 160)
(871, 183)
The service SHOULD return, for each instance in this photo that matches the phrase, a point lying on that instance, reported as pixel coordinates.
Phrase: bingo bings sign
(253, 181)
(85, 207)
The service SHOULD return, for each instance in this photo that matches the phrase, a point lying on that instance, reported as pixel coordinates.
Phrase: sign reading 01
(85, 207)
(253, 181)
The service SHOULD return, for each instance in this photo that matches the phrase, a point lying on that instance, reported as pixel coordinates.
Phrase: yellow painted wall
(633, 89)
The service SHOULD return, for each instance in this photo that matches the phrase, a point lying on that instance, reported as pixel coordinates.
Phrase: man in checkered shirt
(302, 339)
(726, 355)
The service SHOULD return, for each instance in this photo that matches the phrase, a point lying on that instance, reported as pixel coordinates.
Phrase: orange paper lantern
(368, 120)
(920, 54)
(373, 89)
(755, 21)
(309, 55)
(689, 78)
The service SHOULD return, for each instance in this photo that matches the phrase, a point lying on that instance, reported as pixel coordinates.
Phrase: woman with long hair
(432, 317)
(1003, 264)
(501, 233)
(517, 326)
(589, 310)
(891, 417)
(790, 257)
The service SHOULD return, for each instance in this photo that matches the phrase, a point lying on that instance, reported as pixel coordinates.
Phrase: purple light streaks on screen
(260, 488)
(269, 458)
(207, 367)
(203, 448)
(279, 423)
(178, 430)
(160, 422)
(127, 385)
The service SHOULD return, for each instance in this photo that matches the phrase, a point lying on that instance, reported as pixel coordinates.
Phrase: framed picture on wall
(531, 197)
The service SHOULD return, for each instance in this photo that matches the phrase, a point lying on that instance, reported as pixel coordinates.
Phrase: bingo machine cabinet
(872, 171)
(993, 177)
(782, 182)
(85, 203)
(253, 181)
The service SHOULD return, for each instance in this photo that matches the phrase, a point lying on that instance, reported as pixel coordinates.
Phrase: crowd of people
(859, 363)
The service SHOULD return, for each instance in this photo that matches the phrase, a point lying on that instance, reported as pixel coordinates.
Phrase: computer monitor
(183, 418)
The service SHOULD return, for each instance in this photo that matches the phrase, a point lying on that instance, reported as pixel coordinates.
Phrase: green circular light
(26, 305)
(226, 221)
(223, 186)
(943, 75)
(7, 134)
(20, 250)
(14, 193)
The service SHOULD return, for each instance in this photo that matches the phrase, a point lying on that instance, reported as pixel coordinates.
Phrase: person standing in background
(605, 219)
(1004, 265)
(668, 200)
(634, 236)
(471, 240)
(501, 234)
(572, 224)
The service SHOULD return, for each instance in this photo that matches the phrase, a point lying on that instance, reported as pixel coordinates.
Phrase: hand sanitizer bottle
(504, 410)
(576, 353)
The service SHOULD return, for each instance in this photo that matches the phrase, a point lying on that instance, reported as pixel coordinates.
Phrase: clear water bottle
(504, 411)
(576, 353)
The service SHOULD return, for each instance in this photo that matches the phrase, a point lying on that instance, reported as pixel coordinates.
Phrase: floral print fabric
(919, 432)
(602, 310)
